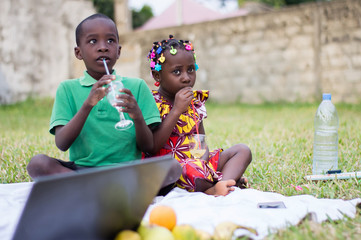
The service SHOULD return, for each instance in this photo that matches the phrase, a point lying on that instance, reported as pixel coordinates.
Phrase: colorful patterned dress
(178, 144)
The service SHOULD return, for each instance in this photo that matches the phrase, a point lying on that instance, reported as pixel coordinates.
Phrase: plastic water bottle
(325, 147)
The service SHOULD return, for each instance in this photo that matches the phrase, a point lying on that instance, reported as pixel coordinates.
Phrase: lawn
(279, 135)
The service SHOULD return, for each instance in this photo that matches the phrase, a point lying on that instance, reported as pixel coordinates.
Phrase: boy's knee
(36, 162)
(173, 174)
(37, 159)
(175, 171)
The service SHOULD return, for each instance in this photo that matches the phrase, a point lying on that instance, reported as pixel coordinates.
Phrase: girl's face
(178, 71)
(98, 40)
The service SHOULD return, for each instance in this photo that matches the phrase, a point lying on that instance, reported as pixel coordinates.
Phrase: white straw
(106, 67)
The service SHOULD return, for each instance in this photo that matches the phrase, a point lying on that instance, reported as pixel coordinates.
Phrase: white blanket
(205, 212)
(12, 200)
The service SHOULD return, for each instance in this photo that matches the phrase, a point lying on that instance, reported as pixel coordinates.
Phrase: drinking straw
(106, 66)
(195, 120)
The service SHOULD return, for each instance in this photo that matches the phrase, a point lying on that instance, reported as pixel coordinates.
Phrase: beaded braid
(156, 54)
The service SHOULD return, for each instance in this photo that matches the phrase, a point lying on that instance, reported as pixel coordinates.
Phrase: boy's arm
(66, 135)
(161, 134)
(144, 135)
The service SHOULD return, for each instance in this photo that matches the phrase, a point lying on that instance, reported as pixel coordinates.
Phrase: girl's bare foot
(221, 188)
(242, 183)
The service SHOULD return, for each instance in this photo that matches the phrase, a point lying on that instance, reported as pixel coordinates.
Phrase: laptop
(92, 203)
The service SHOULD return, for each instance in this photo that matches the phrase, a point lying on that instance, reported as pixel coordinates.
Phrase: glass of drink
(197, 145)
(113, 92)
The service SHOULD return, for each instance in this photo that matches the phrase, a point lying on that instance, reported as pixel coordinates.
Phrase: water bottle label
(326, 112)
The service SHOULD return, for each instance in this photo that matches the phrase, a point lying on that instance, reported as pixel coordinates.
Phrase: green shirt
(99, 143)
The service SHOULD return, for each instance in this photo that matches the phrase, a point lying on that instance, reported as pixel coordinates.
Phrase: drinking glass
(197, 145)
(113, 92)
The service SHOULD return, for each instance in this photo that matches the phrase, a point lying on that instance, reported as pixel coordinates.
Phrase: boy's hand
(129, 104)
(183, 99)
(98, 90)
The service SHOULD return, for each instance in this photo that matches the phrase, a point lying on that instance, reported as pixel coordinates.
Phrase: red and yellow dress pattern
(178, 144)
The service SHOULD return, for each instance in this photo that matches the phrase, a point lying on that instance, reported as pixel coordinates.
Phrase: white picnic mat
(12, 200)
(205, 212)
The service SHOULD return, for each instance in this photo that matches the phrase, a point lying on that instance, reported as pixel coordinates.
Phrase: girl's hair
(156, 54)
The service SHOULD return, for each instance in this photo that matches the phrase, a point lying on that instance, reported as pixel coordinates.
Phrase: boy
(83, 122)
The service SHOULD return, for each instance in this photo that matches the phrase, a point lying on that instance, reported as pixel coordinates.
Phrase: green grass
(279, 135)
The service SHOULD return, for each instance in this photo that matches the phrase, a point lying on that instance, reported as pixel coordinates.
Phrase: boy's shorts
(71, 165)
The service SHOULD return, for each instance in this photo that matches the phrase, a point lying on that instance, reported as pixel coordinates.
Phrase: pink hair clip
(188, 47)
(152, 64)
(152, 55)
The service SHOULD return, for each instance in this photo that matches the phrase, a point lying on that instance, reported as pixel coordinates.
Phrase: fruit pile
(162, 225)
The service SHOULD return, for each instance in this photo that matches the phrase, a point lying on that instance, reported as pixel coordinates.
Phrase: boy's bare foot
(242, 183)
(221, 188)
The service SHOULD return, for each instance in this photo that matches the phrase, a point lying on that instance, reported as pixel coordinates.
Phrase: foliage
(279, 135)
(138, 17)
(105, 7)
(141, 16)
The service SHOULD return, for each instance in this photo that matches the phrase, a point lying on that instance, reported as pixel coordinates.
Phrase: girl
(173, 65)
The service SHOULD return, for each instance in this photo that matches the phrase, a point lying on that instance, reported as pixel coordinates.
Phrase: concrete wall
(289, 55)
(36, 45)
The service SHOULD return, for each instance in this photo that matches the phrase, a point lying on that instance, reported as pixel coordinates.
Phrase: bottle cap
(326, 96)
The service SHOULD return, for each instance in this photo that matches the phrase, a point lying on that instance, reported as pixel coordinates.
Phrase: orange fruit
(164, 216)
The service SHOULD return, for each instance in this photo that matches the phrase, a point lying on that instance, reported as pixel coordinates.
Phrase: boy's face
(98, 40)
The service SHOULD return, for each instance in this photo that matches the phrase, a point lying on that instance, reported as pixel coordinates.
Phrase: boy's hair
(79, 29)
(156, 54)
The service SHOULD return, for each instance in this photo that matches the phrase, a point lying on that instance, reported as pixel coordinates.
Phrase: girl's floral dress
(178, 143)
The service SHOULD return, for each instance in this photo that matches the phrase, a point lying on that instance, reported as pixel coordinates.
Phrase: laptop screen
(93, 203)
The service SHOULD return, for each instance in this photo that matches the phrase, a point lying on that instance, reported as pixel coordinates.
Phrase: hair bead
(156, 56)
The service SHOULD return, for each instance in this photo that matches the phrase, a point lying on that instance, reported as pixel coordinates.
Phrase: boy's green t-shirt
(99, 143)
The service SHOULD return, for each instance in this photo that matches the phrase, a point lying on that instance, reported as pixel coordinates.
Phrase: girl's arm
(202, 131)
(161, 135)
(201, 128)
(66, 135)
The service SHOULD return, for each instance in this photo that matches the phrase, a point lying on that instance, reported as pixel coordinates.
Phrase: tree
(292, 2)
(141, 16)
(105, 7)
(277, 3)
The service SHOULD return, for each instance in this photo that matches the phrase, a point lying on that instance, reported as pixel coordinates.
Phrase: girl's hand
(129, 104)
(183, 99)
(98, 90)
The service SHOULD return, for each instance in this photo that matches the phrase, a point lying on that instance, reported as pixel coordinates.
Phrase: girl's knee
(245, 151)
